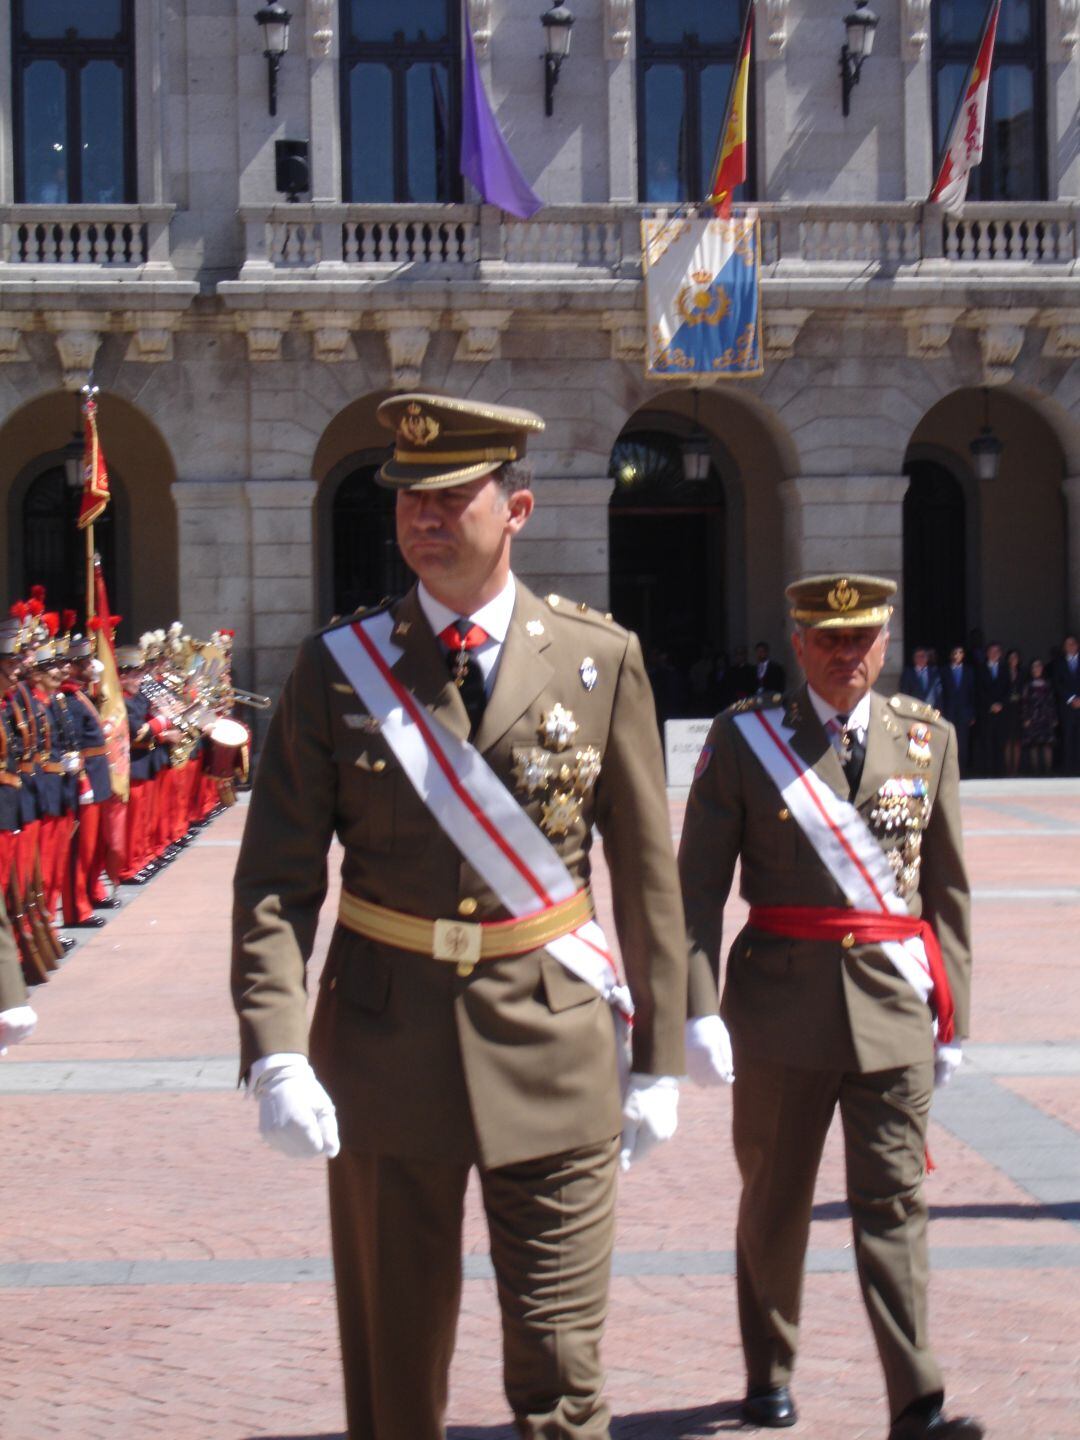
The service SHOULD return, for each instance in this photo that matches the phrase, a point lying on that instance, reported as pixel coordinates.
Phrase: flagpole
(90, 608)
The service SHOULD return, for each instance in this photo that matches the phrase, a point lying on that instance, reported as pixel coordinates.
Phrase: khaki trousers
(781, 1117)
(396, 1228)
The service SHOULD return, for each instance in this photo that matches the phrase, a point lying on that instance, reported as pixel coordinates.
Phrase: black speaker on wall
(292, 175)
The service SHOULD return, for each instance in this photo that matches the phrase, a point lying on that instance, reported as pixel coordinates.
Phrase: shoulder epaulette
(755, 702)
(578, 610)
(908, 705)
(362, 614)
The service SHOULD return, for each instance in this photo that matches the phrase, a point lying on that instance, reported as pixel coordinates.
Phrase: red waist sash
(824, 922)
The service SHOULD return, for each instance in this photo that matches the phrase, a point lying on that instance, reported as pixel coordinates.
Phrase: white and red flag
(965, 147)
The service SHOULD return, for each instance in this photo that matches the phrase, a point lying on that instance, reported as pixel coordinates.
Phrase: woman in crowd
(1039, 720)
(1014, 728)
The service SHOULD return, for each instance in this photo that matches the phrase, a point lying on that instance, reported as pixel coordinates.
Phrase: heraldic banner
(702, 304)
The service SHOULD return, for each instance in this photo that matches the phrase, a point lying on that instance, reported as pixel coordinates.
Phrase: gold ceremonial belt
(464, 943)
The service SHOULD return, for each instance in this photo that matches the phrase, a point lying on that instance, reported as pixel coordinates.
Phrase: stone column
(848, 522)
(282, 575)
(1071, 488)
(564, 547)
(214, 561)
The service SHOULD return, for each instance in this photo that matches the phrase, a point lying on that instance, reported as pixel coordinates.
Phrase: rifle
(41, 909)
(34, 968)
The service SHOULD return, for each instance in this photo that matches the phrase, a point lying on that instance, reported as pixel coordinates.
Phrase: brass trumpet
(249, 698)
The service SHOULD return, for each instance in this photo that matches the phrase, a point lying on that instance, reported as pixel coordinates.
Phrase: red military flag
(965, 145)
(729, 165)
(110, 698)
(95, 495)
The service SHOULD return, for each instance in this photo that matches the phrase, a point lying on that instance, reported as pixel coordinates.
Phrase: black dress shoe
(67, 942)
(92, 922)
(936, 1426)
(110, 904)
(770, 1407)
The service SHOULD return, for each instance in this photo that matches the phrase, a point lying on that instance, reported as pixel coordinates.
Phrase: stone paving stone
(175, 1189)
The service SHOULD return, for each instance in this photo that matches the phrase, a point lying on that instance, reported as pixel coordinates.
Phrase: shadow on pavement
(1036, 1210)
(717, 1419)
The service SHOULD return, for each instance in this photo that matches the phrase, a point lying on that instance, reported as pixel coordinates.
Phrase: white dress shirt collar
(494, 617)
(858, 719)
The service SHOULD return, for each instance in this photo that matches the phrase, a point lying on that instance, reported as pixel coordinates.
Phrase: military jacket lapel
(886, 752)
(811, 743)
(422, 666)
(523, 671)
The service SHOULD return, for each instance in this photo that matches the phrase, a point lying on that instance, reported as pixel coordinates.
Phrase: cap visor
(395, 476)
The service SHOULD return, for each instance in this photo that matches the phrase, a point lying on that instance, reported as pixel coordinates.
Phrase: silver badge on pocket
(588, 672)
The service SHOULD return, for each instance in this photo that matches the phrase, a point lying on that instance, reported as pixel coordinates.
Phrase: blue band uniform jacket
(813, 1003)
(516, 1061)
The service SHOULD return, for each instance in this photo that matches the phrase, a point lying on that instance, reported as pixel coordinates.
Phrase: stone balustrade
(105, 238)
(475, 241)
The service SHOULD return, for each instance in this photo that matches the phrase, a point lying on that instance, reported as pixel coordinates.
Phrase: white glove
(296, 1116)
(650, 1114)
(16, 1024)
(708, 1051)
(947, 1060)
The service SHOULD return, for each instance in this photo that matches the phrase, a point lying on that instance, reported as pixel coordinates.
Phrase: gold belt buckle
(459, 941)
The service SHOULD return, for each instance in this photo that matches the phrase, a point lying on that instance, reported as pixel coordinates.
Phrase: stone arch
(1016, 554)
(32, 438)
(353, 518)
(740, 539)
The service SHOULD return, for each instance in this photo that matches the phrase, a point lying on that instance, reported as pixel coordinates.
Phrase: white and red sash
(471, 804)
(841, 838)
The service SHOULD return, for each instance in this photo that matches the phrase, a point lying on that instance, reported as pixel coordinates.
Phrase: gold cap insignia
(843, 596)
(417, 428)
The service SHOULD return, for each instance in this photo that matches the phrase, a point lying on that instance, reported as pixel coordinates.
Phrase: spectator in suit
(768, 674)
(1014, 726)
(1067, 691)
(992, 696)
(1040, 721)
(958, 704)
(741, 681)
(922, 679)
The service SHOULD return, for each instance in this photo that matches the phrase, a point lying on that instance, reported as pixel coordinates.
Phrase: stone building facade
(242, 343)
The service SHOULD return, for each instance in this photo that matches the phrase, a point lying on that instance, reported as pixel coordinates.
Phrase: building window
(74, 102)
(400, 100)
(1014, 150)
(687, 51)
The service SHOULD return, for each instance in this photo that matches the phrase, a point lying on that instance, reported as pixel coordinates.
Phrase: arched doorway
(667, 537)
(53, 550)
(137, 533)
(935, 558)
(365, 566)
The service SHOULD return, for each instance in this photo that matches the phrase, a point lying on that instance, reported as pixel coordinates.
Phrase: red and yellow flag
(964, 147)
(729, 166)
(95, 495)
(110, 699)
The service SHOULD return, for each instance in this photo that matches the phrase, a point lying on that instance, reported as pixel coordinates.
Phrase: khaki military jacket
(813, 1003)
(12, 985)
(516, 1060)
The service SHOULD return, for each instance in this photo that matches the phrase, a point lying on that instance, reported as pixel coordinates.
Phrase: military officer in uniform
(843, 807)
(463, 742)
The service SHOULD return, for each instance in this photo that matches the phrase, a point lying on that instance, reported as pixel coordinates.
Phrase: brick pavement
(162, 1273)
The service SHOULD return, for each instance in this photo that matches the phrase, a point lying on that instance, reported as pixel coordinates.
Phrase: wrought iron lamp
(860, 26)
(696, 451)
(557, 23)
(273, 21)
(986, 449)
(72, 461)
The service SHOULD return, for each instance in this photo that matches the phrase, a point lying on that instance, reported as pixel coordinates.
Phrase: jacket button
(379, 766)
(467, 906)
(848, 941)
(784, 814)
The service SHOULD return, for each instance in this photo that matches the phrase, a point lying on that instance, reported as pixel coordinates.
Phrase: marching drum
(227, 750)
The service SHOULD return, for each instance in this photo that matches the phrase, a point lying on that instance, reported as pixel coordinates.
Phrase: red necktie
(453, 639)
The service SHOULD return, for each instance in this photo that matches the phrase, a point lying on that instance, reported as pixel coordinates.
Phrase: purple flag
(485, 156)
